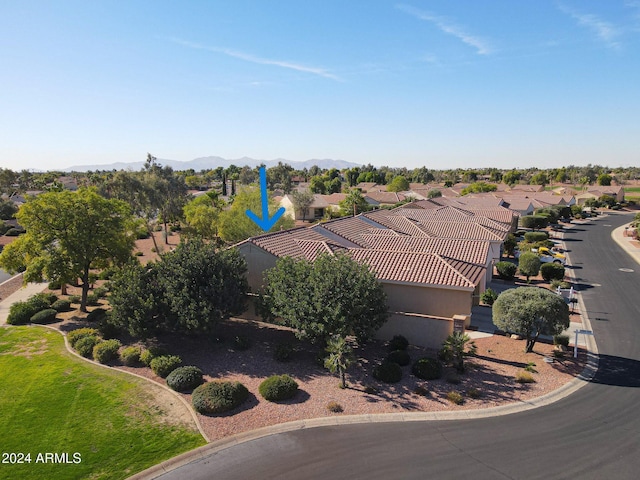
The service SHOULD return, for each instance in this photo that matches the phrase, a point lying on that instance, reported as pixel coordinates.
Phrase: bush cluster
(427, 368)
(61, 305)
(184, 379)
(506, 270)
(488, 296)
(552, 271)
(84, 346)
(147, 355)
(75, 335)
(533, 237)
(388, 372)
(401, 357)
(106, 351)
(130, 355)
(48, 315)
(218, 397)
(398, 342)
(165, 364)
(278, 387)
(20, 313)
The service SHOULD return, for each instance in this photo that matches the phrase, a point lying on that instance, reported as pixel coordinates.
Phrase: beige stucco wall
(439, 302)
(257, 262)
(419, 330)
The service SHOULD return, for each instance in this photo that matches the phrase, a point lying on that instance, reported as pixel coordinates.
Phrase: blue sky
(440, 83)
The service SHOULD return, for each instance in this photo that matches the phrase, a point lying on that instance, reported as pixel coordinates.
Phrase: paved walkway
(18, 296)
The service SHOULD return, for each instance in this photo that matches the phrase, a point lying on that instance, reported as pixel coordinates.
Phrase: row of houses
(433, 259)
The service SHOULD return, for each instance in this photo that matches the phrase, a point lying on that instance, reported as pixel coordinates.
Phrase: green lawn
(53, 402)
(632, 189)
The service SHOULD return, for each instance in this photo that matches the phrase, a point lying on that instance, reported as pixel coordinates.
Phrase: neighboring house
(68, 183)
(383, 199)
(316, 210)
(596, 192)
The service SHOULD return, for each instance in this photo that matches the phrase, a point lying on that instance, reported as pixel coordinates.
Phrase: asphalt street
(4, 276)
(592, 434)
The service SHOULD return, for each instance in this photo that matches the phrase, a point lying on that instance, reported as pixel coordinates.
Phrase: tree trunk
(530, 343)
(63, 288)
(343, 378)
(85, 289)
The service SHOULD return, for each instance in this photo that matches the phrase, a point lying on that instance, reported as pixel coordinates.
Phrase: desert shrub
(54, 285)
(165, 364)
(48, 298)
(474, 393)
(531, 367)
(488, 296)
(427, 368)
(506, 269)
(561, 340)
(455, 397)
(398, 342)
(533, 237)
(278, 387)
(75, 335)
(184, 379)
(401, 357)
(284, 351)
(388, 372)
(106, 351)
(20, 313)
(524, 377)
(150, 353)
(75, 298)
(96, 315)
(84, 346)
(101, 292)
(335, 407)
(241, 342)
(61, 305)
(218, 397)
(48, 315)
(559, 283)
(552, 271)
(93, 300)
(130, 355)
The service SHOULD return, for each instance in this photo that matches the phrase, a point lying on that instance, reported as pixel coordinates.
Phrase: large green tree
(68, 235)
(335, 295)
(530, 312)
(354, 203)
(234, 225)
(202, 215)
(301, 201)
(189, 291)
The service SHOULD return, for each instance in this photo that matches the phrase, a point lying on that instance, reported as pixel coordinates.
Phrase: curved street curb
(567, 389)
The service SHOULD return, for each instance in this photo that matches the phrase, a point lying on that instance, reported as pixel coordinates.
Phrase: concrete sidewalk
(625, 243)
(18, 296)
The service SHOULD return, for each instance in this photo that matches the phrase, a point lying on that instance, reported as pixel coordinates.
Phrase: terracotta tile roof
(471, 251)
(350, 228)
(365, 186)
(461, 230)
(389, 198)
(417, 268)
(299, 242)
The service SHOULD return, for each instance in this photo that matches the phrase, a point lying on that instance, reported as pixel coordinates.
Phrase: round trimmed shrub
(398, 342)
(85, 345)
(61, 305)
(150, 353)
(130, 355)
(506, 269)
(183, 379)
(533, 237)
(488, 296)
(96, 314)
(278, 387)
(552, 271)
(165, 364)
(401, 357)
(45, 316)
(427, 368)
(75, 336)
(218, 397)
(20, 313)
(106, 351)
(388, 372)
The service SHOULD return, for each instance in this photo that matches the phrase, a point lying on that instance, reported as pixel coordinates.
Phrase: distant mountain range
(204, 163)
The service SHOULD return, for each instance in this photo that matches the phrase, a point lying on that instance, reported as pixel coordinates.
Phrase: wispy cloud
(605, 31)
(482, 47)
(259, 60)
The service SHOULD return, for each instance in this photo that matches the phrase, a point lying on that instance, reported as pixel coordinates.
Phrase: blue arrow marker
(265, 222)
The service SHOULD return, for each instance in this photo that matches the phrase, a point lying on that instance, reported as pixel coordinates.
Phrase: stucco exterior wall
(258, 261)
(439, 302)
(419, 330)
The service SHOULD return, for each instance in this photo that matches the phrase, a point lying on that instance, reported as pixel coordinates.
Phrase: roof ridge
(455, 270)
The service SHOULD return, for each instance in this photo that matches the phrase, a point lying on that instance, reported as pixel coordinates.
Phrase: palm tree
(457, 346)
(340, 357)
